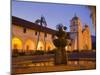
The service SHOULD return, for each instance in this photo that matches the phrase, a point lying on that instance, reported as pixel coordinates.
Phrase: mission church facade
(25, 35)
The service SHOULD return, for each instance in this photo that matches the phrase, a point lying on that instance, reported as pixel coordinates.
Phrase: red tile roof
(27, 24)
(23, 23)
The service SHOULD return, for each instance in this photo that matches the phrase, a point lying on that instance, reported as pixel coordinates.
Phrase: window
(36, 33)
(24, 30)
(52, 36)
(45, 34)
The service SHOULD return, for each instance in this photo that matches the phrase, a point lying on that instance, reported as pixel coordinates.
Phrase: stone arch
(29, 45)
(17, 43)
(49, 45)
(40, 45)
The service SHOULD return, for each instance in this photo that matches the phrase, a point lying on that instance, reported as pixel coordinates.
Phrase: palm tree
(42, 23)
(93, 15)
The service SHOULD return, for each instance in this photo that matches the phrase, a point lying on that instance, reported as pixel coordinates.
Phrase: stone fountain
(60, 43)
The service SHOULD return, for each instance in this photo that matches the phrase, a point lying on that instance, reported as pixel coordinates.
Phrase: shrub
(39, 52)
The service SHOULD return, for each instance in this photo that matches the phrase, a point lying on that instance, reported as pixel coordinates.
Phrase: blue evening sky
(53, 13)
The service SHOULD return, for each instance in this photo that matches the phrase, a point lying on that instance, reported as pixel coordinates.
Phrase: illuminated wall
(29, 39)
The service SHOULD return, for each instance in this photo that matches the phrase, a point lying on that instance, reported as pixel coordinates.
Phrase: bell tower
(75, 24)
(76, 29)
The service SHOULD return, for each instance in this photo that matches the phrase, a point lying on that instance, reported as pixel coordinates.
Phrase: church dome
(86, 26)
(75, 17)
